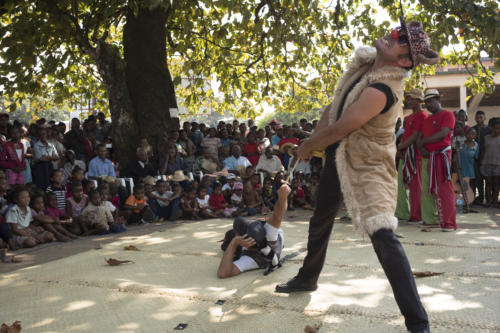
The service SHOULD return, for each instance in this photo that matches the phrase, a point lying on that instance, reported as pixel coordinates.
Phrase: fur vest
(365, 157)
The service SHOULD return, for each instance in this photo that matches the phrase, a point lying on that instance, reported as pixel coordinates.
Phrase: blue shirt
(467, 157)
(98, 168)
(232, 163)
(275, 139)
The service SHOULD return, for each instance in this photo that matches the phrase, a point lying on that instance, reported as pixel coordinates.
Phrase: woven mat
(173, 280)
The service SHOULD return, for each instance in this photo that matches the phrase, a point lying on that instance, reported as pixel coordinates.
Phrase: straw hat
(431, 93)
(416, 93)
(108, 179)
(209, 165)
(287, 145)
(149, 180)
(178, 176)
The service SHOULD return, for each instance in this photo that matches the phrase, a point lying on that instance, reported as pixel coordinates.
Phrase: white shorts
(245, 263)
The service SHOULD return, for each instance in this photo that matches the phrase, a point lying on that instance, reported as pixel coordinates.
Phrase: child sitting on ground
(298, 196)
(103, 190)
(189, 205)
(74, 207)
(57, 187)
(57, 215)
(252, 200)
(219, 205)
(19, 216)
(227, 188)
(203, 204)
(268, 194)
(137, 207)
(98, 217)
(77, 175)
(48, 223)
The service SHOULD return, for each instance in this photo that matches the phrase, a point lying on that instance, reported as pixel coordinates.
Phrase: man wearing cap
(410, 164)
(247, 234)
(357, 131)
(434, 142)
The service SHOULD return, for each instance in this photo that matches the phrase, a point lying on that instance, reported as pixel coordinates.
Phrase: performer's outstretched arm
(280, 207)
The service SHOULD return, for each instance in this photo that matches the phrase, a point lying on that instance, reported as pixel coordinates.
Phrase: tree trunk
(125, 130)
(148, 78)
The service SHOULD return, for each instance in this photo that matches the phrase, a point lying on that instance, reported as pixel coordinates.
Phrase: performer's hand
(244, 241)
(304, 153)
(284, 191)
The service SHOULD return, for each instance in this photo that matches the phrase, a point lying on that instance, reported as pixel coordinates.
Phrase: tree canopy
(286, 53)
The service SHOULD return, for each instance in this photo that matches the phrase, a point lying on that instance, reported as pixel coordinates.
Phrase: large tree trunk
(148, 78)
(125, 130)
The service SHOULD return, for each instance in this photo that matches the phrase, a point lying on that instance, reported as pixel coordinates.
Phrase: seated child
(19, 217)
(137, 208)
(203, 204)
(249, 172)
(4, 187)
(268, 194)
(164, 202)
(207, 182)
(50, 217)
(297, 197)
(218, 203)
(278, 180)
(312, 188)
(255, 180)
(77, 175)
(227, 188)
(74, 207)
(189, 205)
(57, 187)
(98, 217)
(252, 200)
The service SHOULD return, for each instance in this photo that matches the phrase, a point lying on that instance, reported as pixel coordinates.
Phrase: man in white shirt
(269, 163)
(236, 162)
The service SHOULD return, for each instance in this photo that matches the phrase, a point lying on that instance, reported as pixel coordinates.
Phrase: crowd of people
(59, 185)
(445, 165)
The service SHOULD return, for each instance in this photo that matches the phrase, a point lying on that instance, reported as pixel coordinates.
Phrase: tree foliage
(287, 53)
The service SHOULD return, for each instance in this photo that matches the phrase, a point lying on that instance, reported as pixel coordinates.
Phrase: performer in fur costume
(357, 131)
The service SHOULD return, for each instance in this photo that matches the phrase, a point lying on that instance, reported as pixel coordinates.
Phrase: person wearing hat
(410, 164)
(434, 143)
(254, 241)
(357, 131)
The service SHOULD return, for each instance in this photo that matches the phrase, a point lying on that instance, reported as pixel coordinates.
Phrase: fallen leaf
(116, 262)
(399, 236)
(312, 329)
(426, 274)
(14, 328)
(130, 248)
(425, 230)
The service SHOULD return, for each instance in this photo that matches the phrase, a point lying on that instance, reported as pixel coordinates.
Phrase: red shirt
(292, 140)
(433, 124)
(414, 123)
(252, 151)
(216, 201)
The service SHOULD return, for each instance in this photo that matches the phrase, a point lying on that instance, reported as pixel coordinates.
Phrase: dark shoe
(294, 285)
(425, 330)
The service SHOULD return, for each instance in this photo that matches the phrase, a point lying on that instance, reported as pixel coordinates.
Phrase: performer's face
(394, 48)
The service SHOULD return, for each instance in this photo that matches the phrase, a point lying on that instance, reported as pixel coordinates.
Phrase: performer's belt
(433, 177)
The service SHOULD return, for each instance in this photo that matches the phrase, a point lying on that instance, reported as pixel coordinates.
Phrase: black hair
(202, 188)
(74, 184)
(38, 195)
(139, 187)
(75, 170)
(217, 185)
(99, 146)
(49, 195)
(14, 193)
(93, 192)
(53, 172)
(480, 112)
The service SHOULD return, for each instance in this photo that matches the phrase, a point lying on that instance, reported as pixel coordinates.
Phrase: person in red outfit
(252, 149)
(435, 145)
(410, 156)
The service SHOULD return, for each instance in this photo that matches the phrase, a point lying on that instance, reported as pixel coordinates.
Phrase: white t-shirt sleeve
(271, 232)
(245, 263)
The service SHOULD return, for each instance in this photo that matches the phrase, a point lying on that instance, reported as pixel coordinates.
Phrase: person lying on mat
(253, 244)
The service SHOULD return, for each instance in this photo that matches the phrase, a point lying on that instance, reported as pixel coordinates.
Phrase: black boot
(296, 284)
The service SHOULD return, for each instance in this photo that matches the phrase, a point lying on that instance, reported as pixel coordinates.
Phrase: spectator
(173, 162)
(75, 140)
(45, 153)
(101, 166)
(70, 164)
(481, 131)
(12, 158)
(252, 149)
(212, 142)
(236, 163)
(140, 167)
(269, 163)
(490, 165)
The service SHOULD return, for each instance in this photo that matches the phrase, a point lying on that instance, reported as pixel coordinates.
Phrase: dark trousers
(387, 247)
(41, 174)
(478, 182)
